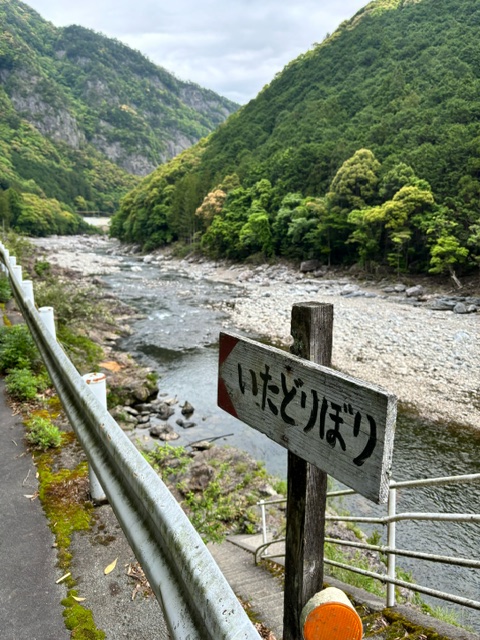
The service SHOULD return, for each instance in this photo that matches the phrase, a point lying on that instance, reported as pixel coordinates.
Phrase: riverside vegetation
(218, 487)
(365, 149)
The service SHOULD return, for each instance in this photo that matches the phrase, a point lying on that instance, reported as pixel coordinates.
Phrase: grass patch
(23, 385)
(334, 553)
(42, 434)
(5, 291)
(18, 350)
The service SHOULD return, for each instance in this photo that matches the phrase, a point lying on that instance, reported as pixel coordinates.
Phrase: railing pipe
(432, 482)
(196, 599)
(419, 555)
(391, 535)
(264, 523)
(450, 597)
(434, 517)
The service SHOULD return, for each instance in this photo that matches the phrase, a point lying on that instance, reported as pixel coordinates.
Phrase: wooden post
(311, 329)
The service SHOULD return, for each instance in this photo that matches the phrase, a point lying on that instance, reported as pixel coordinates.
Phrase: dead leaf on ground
(77, 599)
(111, 366)
(110, 567)
(135, 571)
(32, 496)
(264, 632)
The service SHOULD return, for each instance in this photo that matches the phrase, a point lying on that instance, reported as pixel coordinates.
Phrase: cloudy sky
(233, 47)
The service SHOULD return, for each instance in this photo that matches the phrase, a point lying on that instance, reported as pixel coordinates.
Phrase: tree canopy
(369, 142)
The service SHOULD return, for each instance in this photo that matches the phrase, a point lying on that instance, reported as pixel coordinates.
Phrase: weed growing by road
(5, 291)
(23, 385)
(17, 349)
(42, 434)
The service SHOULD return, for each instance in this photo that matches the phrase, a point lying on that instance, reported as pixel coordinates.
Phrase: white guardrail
(197, 601)
(390, 549)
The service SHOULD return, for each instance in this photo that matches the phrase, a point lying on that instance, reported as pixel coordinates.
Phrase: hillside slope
(82, 115)
(366, 148)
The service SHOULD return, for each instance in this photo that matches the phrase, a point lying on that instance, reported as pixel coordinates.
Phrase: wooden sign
(339, 424)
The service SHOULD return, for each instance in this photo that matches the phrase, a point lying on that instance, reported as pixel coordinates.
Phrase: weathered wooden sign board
(339, 424)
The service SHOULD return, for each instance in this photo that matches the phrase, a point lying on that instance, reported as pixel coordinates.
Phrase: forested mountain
(82, 116)
(364, 149)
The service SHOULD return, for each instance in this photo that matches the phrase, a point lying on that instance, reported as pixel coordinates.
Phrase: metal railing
(390, 549)
(196, 599)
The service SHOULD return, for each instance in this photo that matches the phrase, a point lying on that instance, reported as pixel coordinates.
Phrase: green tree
(355, 183)
(222, 236)
(256, 236)
(446, 254)
(383, 232)
(354, 187)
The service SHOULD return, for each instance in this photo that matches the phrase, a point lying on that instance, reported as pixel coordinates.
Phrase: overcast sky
(233, 47)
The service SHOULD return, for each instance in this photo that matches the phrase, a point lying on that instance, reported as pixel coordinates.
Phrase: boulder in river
(348, 289)
(164, 432)
(187, 409)
(442, 305)
(185, 424)
(164, 411)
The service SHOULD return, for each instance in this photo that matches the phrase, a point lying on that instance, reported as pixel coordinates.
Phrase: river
(178, 337)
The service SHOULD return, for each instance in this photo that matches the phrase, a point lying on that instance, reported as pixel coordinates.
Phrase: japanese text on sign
(342, 425)
(322, 416)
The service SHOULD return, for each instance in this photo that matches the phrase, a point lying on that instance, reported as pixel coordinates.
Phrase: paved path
(30, 601)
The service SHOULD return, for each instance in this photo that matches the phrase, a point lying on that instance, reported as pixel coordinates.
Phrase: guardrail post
(13, 261)
(27, 286)
(48, 318)
(391, 542)
(97, 383)
(17, 272)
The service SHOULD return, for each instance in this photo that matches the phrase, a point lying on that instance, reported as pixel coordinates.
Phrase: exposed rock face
(81, 88)
(51, 119)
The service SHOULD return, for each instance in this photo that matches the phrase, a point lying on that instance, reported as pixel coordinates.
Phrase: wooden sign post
(328, 421)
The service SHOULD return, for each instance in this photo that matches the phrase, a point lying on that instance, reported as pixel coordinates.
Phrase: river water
(178, 337)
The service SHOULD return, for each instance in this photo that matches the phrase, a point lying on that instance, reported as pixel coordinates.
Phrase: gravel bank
(430, 359)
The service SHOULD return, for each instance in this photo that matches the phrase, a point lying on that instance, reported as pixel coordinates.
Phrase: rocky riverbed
(421, 343)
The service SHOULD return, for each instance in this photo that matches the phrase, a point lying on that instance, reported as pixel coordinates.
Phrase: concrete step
(252, 584)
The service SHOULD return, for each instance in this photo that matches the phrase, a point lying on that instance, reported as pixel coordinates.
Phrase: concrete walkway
(30, 600)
